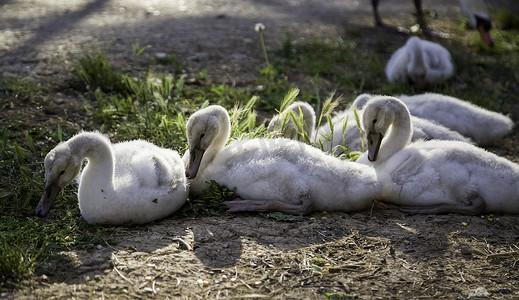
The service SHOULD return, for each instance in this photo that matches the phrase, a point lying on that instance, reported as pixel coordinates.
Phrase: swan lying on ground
(478, 16)
(434, 176)
(347, 133)
(273, 174)
(483, 126)
(420, 62)
(130, 182)
(284, 125)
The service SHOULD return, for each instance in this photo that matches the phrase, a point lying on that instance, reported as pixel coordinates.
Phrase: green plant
(95, 71)
(506, 19)
(15, 263)
(210, 201)
(260, 28)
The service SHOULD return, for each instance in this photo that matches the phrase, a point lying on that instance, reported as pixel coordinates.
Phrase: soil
(381, 253)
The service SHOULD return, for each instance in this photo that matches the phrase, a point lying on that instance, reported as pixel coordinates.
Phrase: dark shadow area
(53, 26)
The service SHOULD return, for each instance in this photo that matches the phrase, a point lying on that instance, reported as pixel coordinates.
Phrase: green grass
(27, 241)
(506, 19)
(155, 107)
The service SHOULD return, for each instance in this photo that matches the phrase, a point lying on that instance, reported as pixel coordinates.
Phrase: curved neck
(399, 135)
(416, 64)
(219, 141)
(97, 150)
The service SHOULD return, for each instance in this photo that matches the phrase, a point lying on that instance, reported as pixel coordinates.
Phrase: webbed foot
(475, 206)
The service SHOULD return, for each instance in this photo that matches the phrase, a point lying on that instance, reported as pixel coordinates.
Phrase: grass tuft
(95, 71)
(209, 203)
(506, 19)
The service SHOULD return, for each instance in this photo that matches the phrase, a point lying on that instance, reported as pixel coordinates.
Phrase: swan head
(283, 124)
(206, 128)
(361, 101)
(61, 167)
(377, 118)
(483, 25)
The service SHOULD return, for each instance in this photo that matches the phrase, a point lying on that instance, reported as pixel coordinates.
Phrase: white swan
(349, 135)
(420, 62)
(435, 176)
(273, 174)
(284, 125)
(483, 126)
(129, 182)
(478, 16)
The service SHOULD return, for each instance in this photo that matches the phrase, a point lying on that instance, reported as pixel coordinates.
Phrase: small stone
(479, 292)
(225, 245)
(415, 28)
(160, 55)
(466, 250)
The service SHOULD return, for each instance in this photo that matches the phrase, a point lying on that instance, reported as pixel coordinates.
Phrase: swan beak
(195, 158)
(485, 35)
(49, 195)
(374, 141)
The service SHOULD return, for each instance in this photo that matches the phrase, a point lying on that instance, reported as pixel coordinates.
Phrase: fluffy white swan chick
(284, 125)
(273, 174)
(483, 126)
(132, 182)
(420, 62)
(435, 176)
(346, 132)
(478, 16)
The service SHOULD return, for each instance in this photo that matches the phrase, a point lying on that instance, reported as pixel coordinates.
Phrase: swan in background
(272, 174)
(129, 182)
(434, 176)
(420, 62)
(478, 16)
(347, 133)
(284, 125)
(483, 126)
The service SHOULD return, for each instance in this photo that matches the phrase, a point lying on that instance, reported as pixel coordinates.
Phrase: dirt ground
(381, 253)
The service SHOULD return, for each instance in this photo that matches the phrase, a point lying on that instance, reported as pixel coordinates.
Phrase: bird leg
(420, 17)
(378, 21)
(304, 207)
(474, 205)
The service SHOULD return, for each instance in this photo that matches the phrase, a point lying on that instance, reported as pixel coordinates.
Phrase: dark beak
(374, 141)
(485, 35)
(49, 195)
(195, 158)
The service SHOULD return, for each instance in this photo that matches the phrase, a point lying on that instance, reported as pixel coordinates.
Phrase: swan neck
(399, 135)
(218, 143)
(416, 55)
(98, 151)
